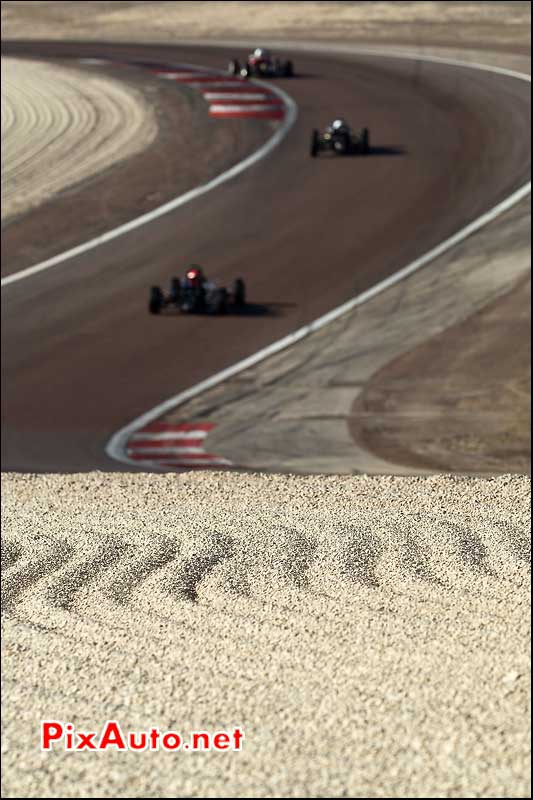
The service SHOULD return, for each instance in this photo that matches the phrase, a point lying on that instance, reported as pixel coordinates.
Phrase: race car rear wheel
(239, 292)
(365, 141)
(315, 145)
(288, 70)
(156, 300)
(234, 67)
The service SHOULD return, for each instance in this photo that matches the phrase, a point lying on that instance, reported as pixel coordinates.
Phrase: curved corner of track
(152, 443)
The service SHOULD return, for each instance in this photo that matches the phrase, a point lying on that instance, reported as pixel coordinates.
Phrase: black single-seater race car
(340, 139)
(194, 294)
(262, 64)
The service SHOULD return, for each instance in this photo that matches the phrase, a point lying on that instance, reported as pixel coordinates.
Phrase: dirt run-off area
(488, 25)
(462, 400)
(60, 126)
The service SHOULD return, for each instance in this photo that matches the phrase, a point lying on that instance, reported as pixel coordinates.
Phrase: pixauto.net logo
(64, 736)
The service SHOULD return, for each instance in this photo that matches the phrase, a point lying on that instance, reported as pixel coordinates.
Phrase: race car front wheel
(239, 292)
(234, 67)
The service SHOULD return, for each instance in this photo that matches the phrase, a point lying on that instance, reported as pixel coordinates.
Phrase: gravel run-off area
(370, 635)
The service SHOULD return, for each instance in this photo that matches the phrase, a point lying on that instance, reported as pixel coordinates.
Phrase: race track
(81, 356)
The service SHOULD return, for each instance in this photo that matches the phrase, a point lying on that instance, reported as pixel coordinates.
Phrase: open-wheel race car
(340, 139)
(261, 64)
(194, 294)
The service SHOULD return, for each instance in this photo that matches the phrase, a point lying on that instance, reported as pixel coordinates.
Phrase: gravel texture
(370, 635)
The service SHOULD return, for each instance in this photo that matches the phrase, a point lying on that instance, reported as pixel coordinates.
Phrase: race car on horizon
(194, 294)
(340, 139)
(261, 64)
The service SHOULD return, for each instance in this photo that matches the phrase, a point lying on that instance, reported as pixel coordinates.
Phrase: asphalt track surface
(81, 357)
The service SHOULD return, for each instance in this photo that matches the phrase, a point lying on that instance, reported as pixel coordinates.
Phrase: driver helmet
(338, 124)
(260, 52)
(195, 274)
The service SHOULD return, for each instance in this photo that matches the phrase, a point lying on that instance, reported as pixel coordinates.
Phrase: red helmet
(195, 274)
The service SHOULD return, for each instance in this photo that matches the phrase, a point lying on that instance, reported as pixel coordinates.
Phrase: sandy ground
(60, 126)
(456, 23)
(370, 635)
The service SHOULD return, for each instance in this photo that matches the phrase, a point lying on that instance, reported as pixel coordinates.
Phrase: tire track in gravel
(185, 582)
(129, 575)
(519, 544)
(360, 555)
(297, 554)
(471, 550)
(117, 568)
(415, 557)
(49, 555)
(11, 552)
(63, 592)
(289, 554)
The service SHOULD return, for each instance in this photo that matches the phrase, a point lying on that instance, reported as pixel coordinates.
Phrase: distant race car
(194, 294)
(262, 64)
(340, 139)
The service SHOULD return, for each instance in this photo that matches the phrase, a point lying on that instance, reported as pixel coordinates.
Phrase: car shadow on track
(260, 309)
(383, 150)
(386, 150)
(248, 310)
(379, 150)
(304, 75)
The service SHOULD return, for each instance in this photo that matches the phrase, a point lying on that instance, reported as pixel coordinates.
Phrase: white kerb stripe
(236, 96)
(162, 435)
(217, 108)
(211, 84)
(159, 451)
